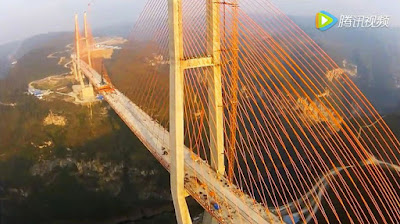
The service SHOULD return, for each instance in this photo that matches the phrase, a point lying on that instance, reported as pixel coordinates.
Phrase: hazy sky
(23, 18)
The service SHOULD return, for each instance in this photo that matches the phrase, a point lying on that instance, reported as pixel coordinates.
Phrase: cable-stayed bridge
(248, 114)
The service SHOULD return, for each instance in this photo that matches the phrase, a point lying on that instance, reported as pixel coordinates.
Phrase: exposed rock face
(53, 119)
(334, 74)
(156, 59)
(109, 175)
(47, 166)
(316, 112)
(44, 145)
(350, 69)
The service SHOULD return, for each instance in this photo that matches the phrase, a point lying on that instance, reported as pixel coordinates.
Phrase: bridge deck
(200, 179)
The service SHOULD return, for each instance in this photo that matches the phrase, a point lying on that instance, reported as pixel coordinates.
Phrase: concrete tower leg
(78, 51)
(215, 88)
(176, 112)
(88, 47)
(74, 70)
(215, 95)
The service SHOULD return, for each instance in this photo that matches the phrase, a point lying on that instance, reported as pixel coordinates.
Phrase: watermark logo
(324, 20)
(362, 21)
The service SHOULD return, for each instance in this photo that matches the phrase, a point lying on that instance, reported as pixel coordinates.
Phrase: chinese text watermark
(362, 21)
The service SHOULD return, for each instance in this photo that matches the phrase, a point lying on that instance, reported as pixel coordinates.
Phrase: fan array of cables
(300, 137)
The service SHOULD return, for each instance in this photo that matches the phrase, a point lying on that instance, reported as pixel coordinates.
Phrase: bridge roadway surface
(201, 182)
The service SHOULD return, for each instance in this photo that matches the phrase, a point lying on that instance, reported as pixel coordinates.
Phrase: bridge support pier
(86, 91)
(88, 47)
(176, 113)
(215, 106)
(75, 70)
(78, 51)
(216, 122)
